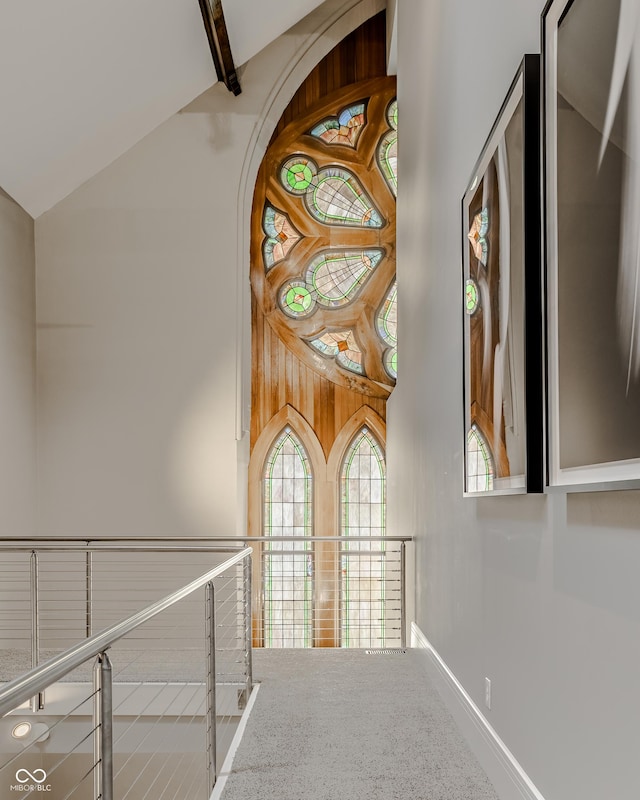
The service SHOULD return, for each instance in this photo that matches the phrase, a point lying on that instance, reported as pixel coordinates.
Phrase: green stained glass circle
(297, 174)
(296, 299)
(471, 296)
(391, 362)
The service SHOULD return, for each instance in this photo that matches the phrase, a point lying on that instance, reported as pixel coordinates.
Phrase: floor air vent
(388, 651)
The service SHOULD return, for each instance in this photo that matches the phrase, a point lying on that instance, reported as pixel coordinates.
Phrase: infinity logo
(23, 775)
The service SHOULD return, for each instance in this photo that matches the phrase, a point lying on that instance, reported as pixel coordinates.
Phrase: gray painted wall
(137, 339)
(143, 312)
(17, 368)
(541, 594)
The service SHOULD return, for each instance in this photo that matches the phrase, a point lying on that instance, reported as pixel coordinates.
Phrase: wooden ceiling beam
(218, 36)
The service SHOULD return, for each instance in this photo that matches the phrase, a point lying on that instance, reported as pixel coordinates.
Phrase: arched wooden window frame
(287, 416)
(279, 592)
(485, 446)
(494, 440)
(325, 495)
(364, 417)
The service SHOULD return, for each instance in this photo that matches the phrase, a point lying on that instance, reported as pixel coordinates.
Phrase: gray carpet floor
(343, 725)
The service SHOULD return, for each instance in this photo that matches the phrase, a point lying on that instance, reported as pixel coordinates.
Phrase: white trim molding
(510, 780)
(227, 766)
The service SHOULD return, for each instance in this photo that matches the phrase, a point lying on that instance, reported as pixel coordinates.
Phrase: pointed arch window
(288, 566)
(479, 462)
(363, 569)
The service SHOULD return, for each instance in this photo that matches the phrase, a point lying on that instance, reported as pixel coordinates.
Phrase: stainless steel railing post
(403, 593)
(248, 632)
(211, 685)
(88, 591)
(102, 729)
(37, 701)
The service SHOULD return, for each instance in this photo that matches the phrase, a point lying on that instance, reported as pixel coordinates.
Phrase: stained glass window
(388, 149)
(478, 235)
(391, 362)
(364, 588)
(332, 279)
(337, 198)
(281, 236)
(342, 129)
(288, 566)
(298, 174)
(387, 319)
(387, 325)
(392, 114)
(343, 347)
(471, 296)
(479, 463)
(336, 276)
(296, 299)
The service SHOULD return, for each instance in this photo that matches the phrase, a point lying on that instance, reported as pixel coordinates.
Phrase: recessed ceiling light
(21, 730)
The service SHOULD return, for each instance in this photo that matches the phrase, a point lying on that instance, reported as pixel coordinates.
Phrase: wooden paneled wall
(360, 56)
(280, 378)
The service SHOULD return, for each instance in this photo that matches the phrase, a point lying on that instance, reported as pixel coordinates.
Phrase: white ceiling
(82, 81)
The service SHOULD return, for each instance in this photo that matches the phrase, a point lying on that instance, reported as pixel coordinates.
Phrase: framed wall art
(591, 68)
(501, 242)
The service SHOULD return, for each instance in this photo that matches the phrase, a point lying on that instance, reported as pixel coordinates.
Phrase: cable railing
(330, 591)
(146, 707)
(307, 591)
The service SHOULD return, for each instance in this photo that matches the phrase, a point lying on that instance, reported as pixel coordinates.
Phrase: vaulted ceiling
(82, 81)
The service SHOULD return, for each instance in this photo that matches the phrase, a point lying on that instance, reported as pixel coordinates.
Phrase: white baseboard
(227, 766)
(508, 777)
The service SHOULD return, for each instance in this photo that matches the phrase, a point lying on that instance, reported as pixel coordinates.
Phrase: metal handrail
(15, 692)
(28, 544)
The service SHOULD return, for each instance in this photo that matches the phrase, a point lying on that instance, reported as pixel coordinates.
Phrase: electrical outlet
(487, 693)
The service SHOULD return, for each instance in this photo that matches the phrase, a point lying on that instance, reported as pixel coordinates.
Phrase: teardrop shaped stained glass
(387, 318)
(387, 153)
(336, 276)
(337, 198)
(388, 160)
